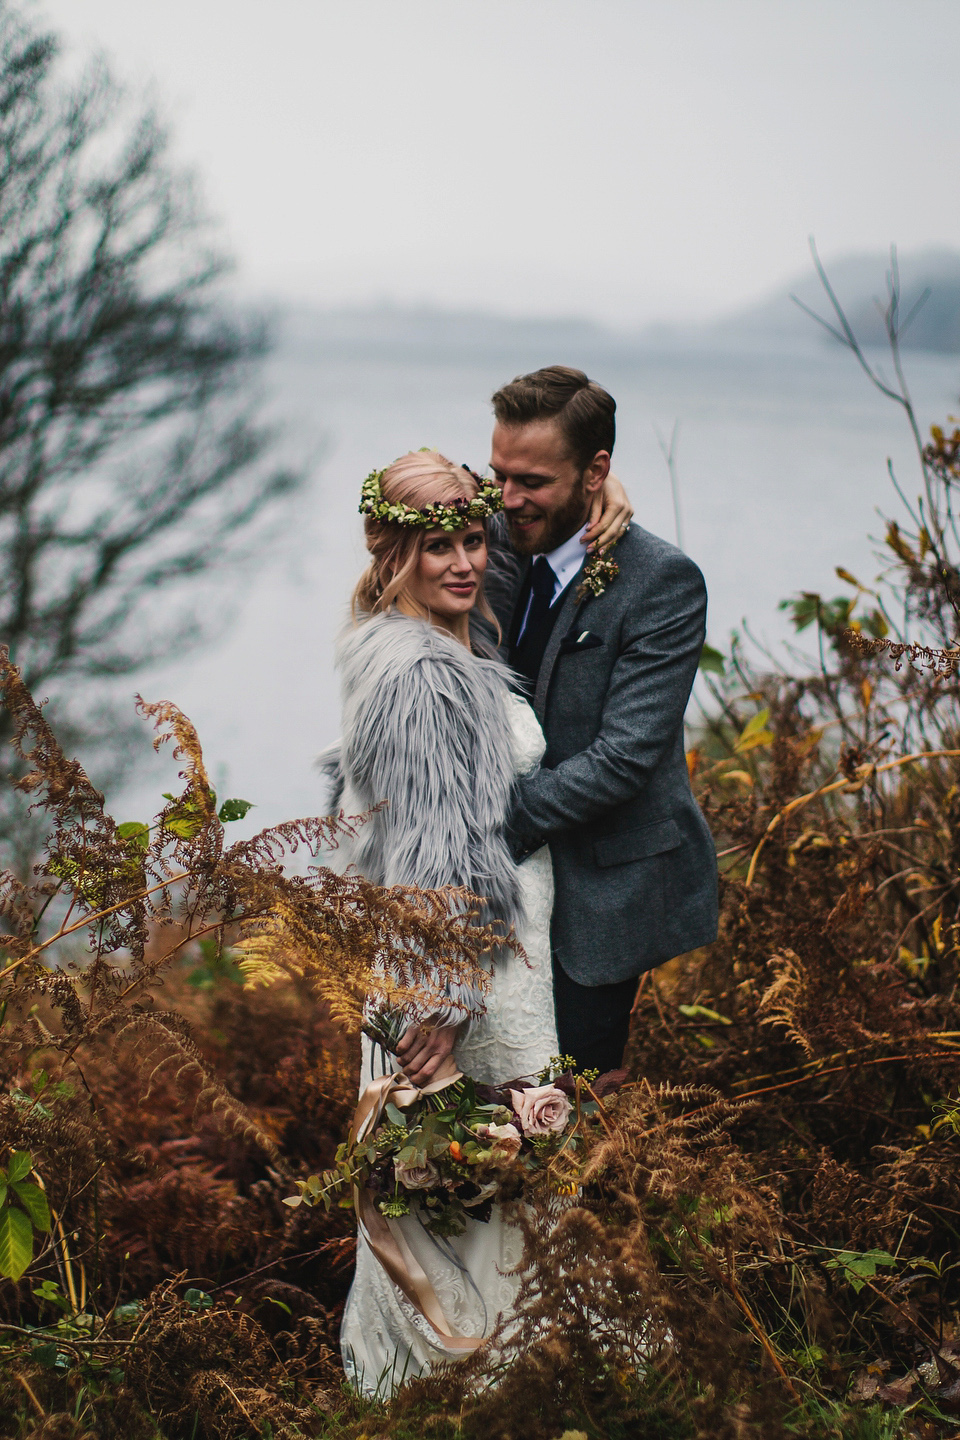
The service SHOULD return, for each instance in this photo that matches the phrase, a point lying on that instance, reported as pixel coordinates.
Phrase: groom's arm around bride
(609, 676)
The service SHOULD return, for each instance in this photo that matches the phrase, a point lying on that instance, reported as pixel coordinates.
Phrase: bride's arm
(428, 734)
(610, 514)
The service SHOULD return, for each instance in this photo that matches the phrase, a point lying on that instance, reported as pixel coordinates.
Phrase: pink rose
(541, 1110)
(504, 1139)
(417, 1177)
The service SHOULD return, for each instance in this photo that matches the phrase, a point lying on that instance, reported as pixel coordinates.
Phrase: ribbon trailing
(383, 1235)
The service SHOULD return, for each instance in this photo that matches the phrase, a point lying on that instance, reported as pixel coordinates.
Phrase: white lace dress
(384, 1340)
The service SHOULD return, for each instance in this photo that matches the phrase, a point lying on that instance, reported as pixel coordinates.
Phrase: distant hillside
(440, 335)
(859, 282)
(523, 343)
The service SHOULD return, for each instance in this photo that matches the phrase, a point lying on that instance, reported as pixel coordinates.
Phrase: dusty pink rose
(417, 1177)
(505, 1139)
(541, 1110)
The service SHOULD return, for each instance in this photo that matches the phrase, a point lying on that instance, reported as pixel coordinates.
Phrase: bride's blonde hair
(423, 477)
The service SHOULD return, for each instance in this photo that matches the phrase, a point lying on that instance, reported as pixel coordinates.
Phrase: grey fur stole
(425, 728)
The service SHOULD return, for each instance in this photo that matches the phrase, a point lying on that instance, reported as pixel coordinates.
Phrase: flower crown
(452, 516)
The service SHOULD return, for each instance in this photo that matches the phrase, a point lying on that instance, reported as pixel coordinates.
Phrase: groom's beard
(559, 526)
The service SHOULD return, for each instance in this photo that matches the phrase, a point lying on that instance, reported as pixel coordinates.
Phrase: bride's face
(451, 565)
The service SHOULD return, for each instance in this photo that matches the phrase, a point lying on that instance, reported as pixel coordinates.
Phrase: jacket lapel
(569, 610)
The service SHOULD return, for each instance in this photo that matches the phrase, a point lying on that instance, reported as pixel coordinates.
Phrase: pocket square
(584, 640)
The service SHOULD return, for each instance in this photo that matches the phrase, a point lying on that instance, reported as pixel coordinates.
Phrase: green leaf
(755, 733)
(876, 624)
(34, 1201)
(49, 1292)
(39, 1081)
(804, 609)
(45, 1355)
(700, 1012)
(712, 661)
(20, 1165)
(16, 1242)
(185, 826)
(198, 1299)
(234, 810)
(858, 1267)
(136, 834)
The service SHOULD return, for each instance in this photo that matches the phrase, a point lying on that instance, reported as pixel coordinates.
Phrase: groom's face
(546, 497)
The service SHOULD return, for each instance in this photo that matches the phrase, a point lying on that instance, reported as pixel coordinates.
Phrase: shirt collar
(567, 559)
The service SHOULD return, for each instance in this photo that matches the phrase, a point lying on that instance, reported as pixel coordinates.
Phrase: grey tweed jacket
(633, 858)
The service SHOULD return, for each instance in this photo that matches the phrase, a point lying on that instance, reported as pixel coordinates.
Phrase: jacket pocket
(637, 844)
(573, 644)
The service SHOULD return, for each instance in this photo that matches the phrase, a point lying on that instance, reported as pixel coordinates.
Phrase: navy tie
(528, 652)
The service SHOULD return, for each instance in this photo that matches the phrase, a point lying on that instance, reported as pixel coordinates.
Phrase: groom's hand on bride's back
(424, 1050)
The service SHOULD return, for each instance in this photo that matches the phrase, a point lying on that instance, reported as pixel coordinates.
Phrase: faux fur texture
(425, 728)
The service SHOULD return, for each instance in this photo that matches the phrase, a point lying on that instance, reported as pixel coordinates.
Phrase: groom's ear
(596, 472)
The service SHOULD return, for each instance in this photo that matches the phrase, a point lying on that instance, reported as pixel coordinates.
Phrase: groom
(609, 676)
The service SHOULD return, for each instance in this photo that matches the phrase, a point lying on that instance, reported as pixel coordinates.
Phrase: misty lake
(782, 462)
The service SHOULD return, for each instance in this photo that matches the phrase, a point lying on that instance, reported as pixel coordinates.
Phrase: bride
(434, 727)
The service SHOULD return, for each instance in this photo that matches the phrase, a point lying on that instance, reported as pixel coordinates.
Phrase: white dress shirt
(565, 561)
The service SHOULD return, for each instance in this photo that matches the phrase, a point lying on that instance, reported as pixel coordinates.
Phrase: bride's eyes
(442, 547)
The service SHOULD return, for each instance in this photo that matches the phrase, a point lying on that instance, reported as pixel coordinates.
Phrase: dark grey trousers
(593, 1020)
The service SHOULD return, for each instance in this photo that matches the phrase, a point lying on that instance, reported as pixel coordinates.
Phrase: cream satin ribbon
(385, 1237)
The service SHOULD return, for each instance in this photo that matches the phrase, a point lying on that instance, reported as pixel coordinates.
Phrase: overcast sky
(625, 159)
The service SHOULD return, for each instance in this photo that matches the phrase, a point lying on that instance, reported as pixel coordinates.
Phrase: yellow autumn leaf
(740, 776)
(843, 574)
(754, 733)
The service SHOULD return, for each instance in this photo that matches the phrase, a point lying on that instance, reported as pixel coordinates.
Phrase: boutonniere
(598, 573)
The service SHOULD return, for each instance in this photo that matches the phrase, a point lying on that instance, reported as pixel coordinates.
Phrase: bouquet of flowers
(458, 1145)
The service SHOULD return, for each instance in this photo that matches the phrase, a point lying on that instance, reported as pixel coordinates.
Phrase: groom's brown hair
(583, 409)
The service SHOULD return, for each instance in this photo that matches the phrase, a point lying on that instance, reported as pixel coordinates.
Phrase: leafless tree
(129, 461)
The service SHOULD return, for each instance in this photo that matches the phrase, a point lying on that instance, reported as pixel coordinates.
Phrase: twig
(851, 787)
(838, 1069)
(41, 1413)
(729, 1283)
(91, 920)
(670, 455)
(282, 1260)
